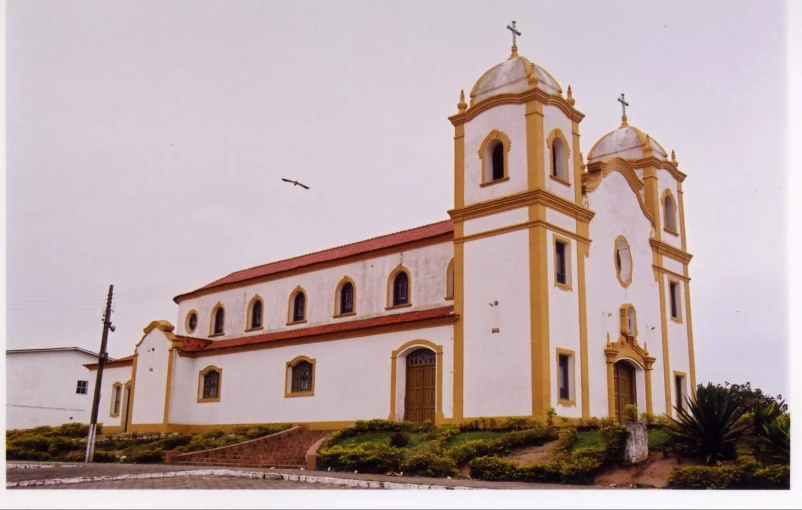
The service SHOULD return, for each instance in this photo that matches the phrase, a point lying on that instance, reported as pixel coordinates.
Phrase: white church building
(557, 282)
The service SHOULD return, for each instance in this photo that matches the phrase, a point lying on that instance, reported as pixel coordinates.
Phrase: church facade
(557, 282)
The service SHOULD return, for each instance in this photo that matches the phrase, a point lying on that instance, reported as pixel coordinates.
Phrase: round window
(192, 322)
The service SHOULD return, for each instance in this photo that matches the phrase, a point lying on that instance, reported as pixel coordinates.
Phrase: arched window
(558, 159)
(298, 306)
(623, 261)
(255, 313)
(218, 320)
(116, 399)
(498, 161)
(401, 289)
(346, 298)
(450, 280)
(669, 213)
(300, 377)
(209, 383)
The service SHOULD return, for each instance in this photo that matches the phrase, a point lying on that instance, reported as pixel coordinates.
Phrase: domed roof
(511, 76)
(627, 142)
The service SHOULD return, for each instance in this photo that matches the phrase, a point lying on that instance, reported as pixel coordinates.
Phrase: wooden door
(126, 408)
(625, 391)
(421, 386)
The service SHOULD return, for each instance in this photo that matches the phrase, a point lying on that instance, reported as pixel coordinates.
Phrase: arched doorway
(421, 386)
(625, 389)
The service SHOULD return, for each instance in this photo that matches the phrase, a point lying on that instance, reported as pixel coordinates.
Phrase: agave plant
(777, 434)
(708, 427)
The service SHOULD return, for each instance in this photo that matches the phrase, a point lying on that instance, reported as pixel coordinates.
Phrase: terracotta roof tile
(191, 344)
(340, 252)
(112, 363)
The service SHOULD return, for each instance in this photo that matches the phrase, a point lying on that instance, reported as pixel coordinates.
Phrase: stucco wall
(618, 213)
(427, 268)
(41, 388)
(351, 381)
(511, 120)
(498, 375)
(151, 378)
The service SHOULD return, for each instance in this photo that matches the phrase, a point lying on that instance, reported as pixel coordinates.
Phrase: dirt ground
(653, 472)
(532, 454)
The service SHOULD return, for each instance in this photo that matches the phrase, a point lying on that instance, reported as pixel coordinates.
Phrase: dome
(627, 142)
(511, 76)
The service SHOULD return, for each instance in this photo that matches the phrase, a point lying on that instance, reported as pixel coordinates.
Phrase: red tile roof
(190, 344)
(340, 252)
(112, 363)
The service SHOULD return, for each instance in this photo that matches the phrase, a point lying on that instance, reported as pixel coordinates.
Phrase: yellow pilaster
(539, 310)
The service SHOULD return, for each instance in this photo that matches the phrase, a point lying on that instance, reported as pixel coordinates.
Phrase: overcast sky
(146, 142)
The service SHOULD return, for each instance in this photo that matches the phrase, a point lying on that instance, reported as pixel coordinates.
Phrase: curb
(327, 480)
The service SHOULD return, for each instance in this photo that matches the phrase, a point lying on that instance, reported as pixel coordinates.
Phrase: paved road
(192, 482)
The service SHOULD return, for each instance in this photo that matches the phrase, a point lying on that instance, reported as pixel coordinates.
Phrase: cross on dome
(624, 105)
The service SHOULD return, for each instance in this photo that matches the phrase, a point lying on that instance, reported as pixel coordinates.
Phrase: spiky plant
(709, 425)
(777, 434)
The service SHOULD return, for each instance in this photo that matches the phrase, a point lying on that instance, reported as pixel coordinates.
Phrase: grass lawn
(476, 434)
(587, 439)
(383, 437)
(657, 439)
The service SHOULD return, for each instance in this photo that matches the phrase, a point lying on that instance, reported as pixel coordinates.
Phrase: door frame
(398, 358)
(423, 370)
(633, 390)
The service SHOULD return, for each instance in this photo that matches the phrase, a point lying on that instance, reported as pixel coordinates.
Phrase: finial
(624, 105)
(570, 99)
(645, 349)
(674, 159)
(624, 121)
(532, 77)
(462, 106)
(582, 161)
(513, 52)
(609, 345)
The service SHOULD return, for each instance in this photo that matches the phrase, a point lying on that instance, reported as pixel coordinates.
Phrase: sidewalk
(77, 474)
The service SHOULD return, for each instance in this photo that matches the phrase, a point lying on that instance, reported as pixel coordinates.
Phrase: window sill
(349, 314)
(490, 183)
(207, 400)
(296, 323)
(396, 307)
(563, 286)
(114, 415)
(678, 320)
(217, 334)
(566, 403)
(672, 232)
(300, 394)
(560, 180)
(255, 329)
(449, 298)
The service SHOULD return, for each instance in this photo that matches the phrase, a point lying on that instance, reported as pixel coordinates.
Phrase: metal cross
(624, 104)
(514, 31)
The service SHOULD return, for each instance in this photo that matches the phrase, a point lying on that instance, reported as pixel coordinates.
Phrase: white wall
(351, 381)
(618, 213)
(497, 370)
(427, 266)
(511, 120)
(151, 378)
(40, 388)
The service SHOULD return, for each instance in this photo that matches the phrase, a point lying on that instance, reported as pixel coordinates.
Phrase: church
(557, 282)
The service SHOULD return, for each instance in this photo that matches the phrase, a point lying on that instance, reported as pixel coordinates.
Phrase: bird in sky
(296, 183)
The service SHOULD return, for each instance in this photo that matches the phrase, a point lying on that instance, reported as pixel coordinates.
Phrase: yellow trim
(438, 350)
(459, 166)
(678, 297)
(579, 163)
(109, 430)
(691, 357)
(684, 380)
(535, 180)
(291, 306)
(666, 196)
(497, 181)
(248, 314)
(487, 158)
(624, 283)
(568, 263)
(168, 385)
(201, 375)
(671, 274)
(627, 347)
(186, 321)
(338, 297)
(129, 417)
(113, 397)
(450, 280)
(525, 97)
(522, 226)
(598, 170)
(518, 200)
(459, 330)
(583, 251)
(217, 306)
(669, 251)
(623, 312)
(288, 393)
(539, 311)
(567, 402)
(556, 134)
(664, 335)
(390, 283)
(228, 427)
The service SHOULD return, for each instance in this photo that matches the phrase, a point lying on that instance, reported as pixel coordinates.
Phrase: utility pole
(90, 443)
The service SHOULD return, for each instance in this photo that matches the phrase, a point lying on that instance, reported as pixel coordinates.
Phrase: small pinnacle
(624, 121)
(461, 105)
(514, 53)
(674, 159)
(608, 341)
(570, 99)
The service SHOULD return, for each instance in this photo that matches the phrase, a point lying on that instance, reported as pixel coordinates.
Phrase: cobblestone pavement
(193, 482)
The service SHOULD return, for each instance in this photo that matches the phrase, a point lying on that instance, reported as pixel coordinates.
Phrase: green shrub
(566, 438)
(776, 435)
(104, 457)
(172, 442)
(550, 414)
(213, 434)
(150, 456)
(363, 457)
(582, 466)
(615, 440)
(399, 439)
(631, 413)
(540, 472)
(36, 442)
(493, 469)
(708, 427)
(429, 464)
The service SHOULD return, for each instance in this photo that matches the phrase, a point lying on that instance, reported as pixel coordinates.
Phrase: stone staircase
(284, 450)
